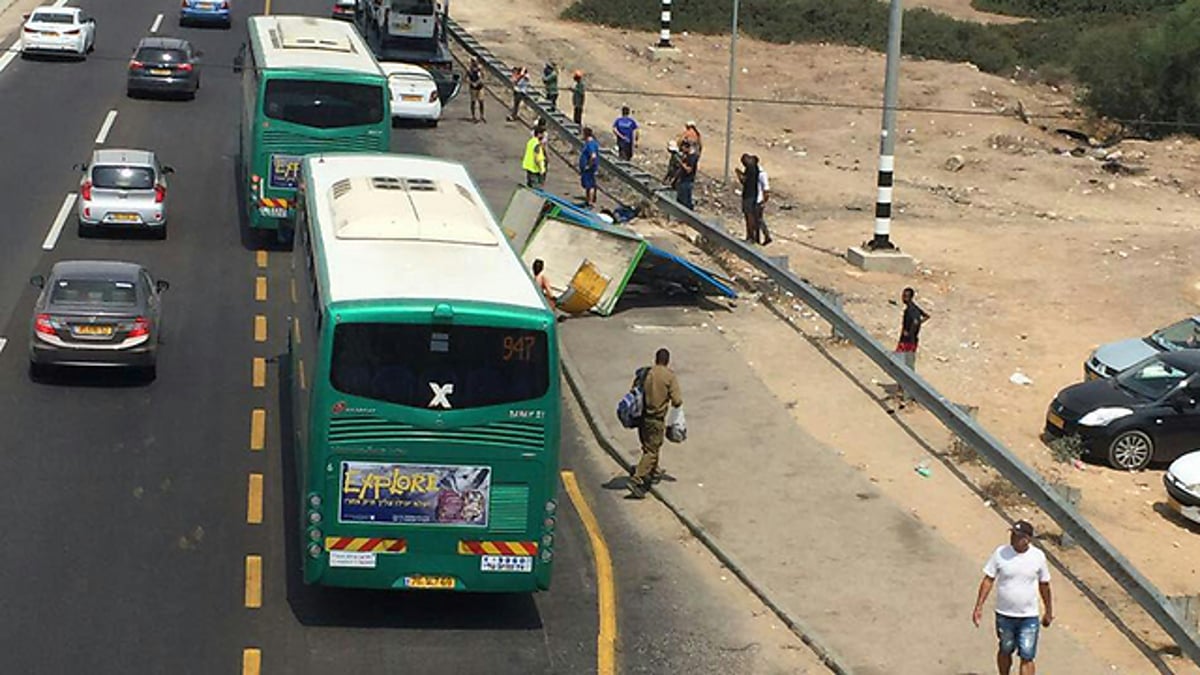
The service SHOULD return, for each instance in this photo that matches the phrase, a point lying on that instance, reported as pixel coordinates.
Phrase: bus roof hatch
(408, 209)
(311, 34)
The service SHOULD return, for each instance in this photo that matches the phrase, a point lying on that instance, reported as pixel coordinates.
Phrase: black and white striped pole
(664, 33)
(887, 145)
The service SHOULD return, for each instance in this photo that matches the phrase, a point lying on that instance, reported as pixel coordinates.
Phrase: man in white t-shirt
(1019, 572)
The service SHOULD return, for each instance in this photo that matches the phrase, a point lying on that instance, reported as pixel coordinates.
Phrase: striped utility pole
(664, 33)
(887, 145)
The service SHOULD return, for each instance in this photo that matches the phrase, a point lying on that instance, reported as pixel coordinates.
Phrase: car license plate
(125, 217)
(1054, 420)
(422, 581)
(506, 563)
(160, 71)
(94, 330)
(356, 559)
(1088, 376)
(207, 6)
(410, 97)
(1174, 504)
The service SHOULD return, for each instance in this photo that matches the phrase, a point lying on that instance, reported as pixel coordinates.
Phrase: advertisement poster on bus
(284, 172)
(414, 494)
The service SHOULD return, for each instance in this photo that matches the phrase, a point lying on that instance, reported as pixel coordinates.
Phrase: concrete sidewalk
(873, 583)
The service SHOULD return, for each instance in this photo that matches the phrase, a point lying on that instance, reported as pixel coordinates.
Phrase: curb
(828, 656)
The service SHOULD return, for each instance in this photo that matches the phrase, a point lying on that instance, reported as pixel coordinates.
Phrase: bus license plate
(506, 563)
(422, 581)
(357, 559)
(273, 211)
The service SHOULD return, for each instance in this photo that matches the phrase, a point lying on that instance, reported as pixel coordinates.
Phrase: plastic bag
(676, 425)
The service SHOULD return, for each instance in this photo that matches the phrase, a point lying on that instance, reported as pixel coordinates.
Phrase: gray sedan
(96, 313)
(123, 189)
(1113, 358)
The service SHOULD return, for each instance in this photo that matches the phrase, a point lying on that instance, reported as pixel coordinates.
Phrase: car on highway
(1148, 413)
(205, 12)
(96, 313)
(164, 65)
(58, 30)
(1182, 480)
(345, 9)
(123, 189)
(1112, 358)
(414, 93)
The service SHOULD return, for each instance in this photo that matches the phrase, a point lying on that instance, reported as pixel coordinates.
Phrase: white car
(58, 30)
(1183, 486)
(414, 93)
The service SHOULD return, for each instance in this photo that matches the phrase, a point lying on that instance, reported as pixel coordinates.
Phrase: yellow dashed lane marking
(254, 499)
(251, 661)
(258, 429)
(260, 288)
(258, 376)
(253, 581)
(260, 328)
(606, 597)
(260, 258)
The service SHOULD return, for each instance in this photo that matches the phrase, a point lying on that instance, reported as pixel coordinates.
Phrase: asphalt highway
(128, 537)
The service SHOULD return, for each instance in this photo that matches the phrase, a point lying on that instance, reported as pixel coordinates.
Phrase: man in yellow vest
(534, 161)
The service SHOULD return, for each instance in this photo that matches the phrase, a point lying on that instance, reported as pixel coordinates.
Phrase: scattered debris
(1020, 378)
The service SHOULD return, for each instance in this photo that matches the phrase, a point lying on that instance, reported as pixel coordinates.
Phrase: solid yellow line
(258, 375)
(260, 288)
(258, 429)
(260, 257)
(251, 661)
(606, 638)
(254, 499)
(253, 581)
(260, 328)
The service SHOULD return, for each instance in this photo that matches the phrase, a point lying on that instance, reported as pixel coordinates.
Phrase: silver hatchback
(123, 189)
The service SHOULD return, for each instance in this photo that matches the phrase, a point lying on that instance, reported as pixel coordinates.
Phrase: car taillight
(185, 67)
(73, 31)
(433, 96)
(44, 325)
(85, 191)
(30, 30)
(135, 64)
(160, 193)
(141, 326)
(225, 5)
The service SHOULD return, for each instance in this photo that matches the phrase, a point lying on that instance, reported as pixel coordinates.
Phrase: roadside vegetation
(1136, 61)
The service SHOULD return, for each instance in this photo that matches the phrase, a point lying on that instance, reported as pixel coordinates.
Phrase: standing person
(1019, 572)
(748, 177)
(687, 175)
(589, 165)
(626, 130)
(550, 83)
(910, 330)
(475, 83)
(764, 194)
(534, 161)
(578, 94)
(661, 392)
(539, 278)
(520, 79)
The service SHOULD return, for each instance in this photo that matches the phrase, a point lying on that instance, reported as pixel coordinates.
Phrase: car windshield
(123, 177)
(1182, 335)
(94, 292)
(160, 55)
(52, 17)
(1152, 379)
(323, 104)
(447, 367)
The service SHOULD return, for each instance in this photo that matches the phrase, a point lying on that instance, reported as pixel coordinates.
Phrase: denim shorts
(1019, 634)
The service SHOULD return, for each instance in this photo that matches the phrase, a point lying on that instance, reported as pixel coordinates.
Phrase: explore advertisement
(414, 494)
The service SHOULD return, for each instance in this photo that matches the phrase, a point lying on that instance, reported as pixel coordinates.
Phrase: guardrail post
(1072, 495)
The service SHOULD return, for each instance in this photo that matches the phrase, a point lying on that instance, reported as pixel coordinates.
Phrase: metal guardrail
(1023, 477)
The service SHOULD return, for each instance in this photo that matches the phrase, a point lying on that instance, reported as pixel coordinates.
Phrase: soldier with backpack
(659, 390)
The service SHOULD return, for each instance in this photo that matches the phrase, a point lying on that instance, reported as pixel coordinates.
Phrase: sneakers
(657, 476)
(636, 489)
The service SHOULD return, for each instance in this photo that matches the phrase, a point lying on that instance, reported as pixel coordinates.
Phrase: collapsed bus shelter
(591, 262)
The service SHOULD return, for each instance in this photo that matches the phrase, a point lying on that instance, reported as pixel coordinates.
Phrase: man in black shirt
(910, 330)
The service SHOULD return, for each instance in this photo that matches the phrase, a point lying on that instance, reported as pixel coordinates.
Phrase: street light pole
(887, 144)
(729, 102)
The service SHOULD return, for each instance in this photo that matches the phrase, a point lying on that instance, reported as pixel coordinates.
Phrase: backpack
(632, 405)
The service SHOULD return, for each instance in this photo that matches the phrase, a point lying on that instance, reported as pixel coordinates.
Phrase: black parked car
(1148, 413)
(164, 65)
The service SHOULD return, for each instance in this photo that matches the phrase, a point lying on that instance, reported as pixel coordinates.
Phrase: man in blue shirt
(589, 164)
(626, 130)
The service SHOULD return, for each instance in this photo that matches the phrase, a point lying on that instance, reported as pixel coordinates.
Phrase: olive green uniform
(661, 392)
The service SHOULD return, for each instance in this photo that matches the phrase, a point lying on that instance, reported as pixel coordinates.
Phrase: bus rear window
(439, 367)
(323, 105)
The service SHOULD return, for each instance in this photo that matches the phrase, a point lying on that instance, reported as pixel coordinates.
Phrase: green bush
(1052, 9)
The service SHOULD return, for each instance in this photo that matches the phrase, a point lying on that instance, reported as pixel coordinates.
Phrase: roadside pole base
(657, 53)
(892, 261)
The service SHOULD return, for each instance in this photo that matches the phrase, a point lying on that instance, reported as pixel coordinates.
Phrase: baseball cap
(1023, 528)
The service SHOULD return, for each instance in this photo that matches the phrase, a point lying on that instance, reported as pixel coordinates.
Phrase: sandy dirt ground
(1029, 255)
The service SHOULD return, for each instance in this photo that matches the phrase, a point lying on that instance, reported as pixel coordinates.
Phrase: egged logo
(441, 395)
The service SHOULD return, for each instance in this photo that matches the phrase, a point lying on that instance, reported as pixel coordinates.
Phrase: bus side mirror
(239, 61)
(37, 281)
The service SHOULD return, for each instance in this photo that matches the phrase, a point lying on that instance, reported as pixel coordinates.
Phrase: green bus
(308, 85)
(424, 383)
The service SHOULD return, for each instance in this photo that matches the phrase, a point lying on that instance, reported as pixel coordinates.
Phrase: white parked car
(58, 30)
(414, 93)
(1183, 486)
